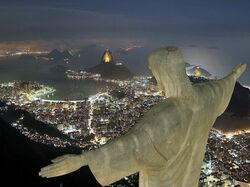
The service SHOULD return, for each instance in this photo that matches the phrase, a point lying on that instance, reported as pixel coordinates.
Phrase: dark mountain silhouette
(240, 102)
(236, 116)
(112, 71)
(56, 55)
(197, 71)
(66, 54)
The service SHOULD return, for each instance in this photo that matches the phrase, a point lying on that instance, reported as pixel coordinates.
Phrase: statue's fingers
(237, 66)
(60, 158)
(239, 69)
(54, 172)
(52, 169)
(243, 67)
(53, 166)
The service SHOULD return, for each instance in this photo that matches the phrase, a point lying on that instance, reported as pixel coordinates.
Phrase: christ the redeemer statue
(167, 145)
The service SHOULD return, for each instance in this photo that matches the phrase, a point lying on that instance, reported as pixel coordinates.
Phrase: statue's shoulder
(171, 106)
(166, 112)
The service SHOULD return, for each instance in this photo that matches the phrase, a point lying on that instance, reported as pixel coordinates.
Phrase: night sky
(214, 34)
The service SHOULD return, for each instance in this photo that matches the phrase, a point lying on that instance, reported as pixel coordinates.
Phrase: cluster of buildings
(78, 75)
(96, 119)
(227, 160)
(22, 92)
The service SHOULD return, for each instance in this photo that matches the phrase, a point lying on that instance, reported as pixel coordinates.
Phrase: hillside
(22, 159)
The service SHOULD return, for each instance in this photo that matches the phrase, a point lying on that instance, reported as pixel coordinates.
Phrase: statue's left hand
(63, 165)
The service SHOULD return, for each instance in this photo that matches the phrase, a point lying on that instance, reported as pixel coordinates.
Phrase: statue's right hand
(63, 165)
(239, 69)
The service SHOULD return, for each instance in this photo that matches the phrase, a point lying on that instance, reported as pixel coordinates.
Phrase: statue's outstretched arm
(227, 85)
(123, 156)
(222, 89)
(120, 157)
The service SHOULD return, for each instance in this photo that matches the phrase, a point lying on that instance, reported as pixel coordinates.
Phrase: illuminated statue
(167, 145)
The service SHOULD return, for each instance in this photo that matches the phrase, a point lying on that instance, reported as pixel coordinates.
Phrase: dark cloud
(36, 23)
(46, 20)
(213, 47)
(193, 45)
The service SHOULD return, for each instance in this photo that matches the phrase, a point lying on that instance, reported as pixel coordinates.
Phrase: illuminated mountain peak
(107, 57)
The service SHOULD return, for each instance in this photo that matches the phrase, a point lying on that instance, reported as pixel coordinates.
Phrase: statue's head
(168, 67)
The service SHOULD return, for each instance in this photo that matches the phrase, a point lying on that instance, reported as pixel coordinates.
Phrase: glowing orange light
(107, 57)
